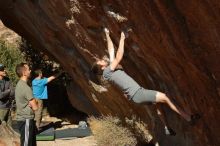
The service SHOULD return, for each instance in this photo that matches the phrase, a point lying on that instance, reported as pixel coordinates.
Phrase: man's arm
(31, 100)
(12, 91)
(51, 78)
(4, 94)
(54, 76)
(33, 104)
(119, 54)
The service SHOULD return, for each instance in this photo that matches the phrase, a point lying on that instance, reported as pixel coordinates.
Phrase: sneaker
(194, 119)
(169, 131)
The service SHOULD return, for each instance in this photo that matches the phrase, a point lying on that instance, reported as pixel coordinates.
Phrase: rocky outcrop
(173, 47)
(8, 137)
(9, 36)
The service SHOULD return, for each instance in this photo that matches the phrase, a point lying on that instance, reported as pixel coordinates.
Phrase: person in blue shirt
(39, 86)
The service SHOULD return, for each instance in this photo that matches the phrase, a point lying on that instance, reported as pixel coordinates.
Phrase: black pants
(27, 131)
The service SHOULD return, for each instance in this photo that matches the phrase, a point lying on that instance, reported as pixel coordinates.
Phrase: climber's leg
(143, 96)
(162, 98)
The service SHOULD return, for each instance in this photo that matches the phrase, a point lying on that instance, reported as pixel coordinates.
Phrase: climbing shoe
(169, 131)
(194, 119)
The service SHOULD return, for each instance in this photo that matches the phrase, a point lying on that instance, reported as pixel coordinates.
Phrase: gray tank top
(128, 85)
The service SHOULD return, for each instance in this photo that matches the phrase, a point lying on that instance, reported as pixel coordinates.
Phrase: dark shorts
(144, 96)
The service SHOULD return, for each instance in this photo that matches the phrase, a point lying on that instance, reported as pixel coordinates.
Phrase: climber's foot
(194, 119)
(169, 131)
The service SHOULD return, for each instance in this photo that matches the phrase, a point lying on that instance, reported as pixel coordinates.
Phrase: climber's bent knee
(161, 97)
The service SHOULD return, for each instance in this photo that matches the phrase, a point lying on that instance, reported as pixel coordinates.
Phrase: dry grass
(140, 129)
(108, 131)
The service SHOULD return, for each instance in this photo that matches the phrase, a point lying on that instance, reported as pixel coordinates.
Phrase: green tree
(10, 56)
(38, 59)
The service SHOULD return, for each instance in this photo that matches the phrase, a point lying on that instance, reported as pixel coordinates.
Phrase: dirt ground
(8, 138)
(86, 141)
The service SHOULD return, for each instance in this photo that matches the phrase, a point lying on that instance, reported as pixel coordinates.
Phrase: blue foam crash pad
(72, 132)
(46, 135)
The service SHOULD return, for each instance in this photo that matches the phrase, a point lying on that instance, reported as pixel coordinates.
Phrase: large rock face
(173, 47)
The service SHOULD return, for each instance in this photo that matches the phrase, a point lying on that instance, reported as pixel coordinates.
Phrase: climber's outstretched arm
(111, 49)
(119, 54)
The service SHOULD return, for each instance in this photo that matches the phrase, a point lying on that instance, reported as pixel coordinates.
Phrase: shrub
(108, 131)
(37, 58)
(10, 56)
(140, 129)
